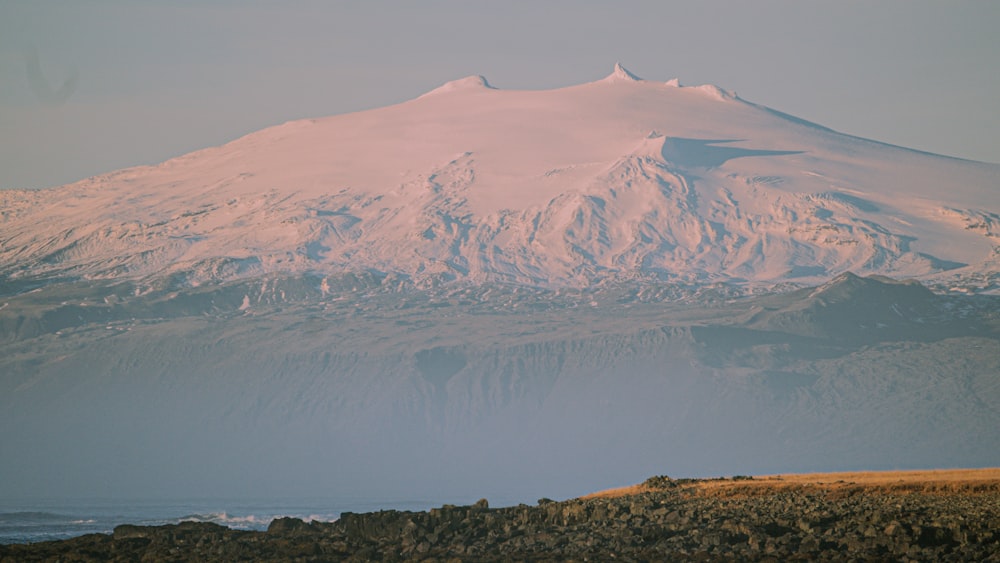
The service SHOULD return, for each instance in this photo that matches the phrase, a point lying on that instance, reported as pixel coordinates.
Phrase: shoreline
(894, 515)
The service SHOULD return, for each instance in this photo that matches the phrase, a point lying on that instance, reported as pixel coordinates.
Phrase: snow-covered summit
(473, 82)
(568, 187)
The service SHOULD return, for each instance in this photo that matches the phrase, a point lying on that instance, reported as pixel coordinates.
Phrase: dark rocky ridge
(677, 520)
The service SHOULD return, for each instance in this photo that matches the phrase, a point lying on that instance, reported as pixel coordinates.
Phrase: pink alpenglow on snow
(619, 178)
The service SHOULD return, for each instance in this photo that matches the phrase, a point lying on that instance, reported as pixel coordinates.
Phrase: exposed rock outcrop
(677, 520)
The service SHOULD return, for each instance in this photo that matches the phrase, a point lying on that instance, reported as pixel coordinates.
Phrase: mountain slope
(499, 292)
(273, 388)
(616, 179)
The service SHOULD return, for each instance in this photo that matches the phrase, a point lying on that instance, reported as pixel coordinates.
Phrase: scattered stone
(673, 521)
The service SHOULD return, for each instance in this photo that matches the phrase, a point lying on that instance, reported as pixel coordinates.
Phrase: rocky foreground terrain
(928, 516)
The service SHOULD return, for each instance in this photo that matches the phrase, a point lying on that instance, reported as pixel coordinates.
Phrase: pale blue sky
(148, 80)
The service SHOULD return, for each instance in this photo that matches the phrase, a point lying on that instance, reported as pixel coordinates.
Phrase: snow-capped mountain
(267, 318)
(621, 178)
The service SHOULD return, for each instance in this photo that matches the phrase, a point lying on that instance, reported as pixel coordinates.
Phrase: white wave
(252, 521)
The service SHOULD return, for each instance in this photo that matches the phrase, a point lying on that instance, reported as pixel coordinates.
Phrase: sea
(23, 521)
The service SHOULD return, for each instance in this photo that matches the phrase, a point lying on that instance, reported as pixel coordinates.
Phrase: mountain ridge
(614, 179)
(497, 389)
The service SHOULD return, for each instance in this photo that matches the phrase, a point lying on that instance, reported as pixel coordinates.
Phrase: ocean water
(35, 521)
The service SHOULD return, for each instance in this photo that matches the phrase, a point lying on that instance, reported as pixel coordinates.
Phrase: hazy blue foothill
(371, 388)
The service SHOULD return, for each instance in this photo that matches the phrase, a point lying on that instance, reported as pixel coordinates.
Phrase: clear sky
(92, 86)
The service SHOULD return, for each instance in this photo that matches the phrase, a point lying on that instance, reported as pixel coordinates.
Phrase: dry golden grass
(942, 481)
(618, 492)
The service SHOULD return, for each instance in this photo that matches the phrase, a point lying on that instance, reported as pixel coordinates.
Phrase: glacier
(611, 180)
(484, 292)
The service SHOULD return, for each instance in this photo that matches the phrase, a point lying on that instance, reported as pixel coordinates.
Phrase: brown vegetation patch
(832, 485)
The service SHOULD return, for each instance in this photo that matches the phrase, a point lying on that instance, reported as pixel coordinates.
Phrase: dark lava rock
(676, 522)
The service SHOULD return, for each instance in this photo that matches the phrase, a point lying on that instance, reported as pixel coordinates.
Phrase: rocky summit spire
(621, 74)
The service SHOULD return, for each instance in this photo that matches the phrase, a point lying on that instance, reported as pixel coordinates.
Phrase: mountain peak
(621, 74)
(473, 82)
(849, 286)
(854, 308)
(562, 187)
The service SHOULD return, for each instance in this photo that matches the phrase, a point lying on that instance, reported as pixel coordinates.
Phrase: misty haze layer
(488, 390)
